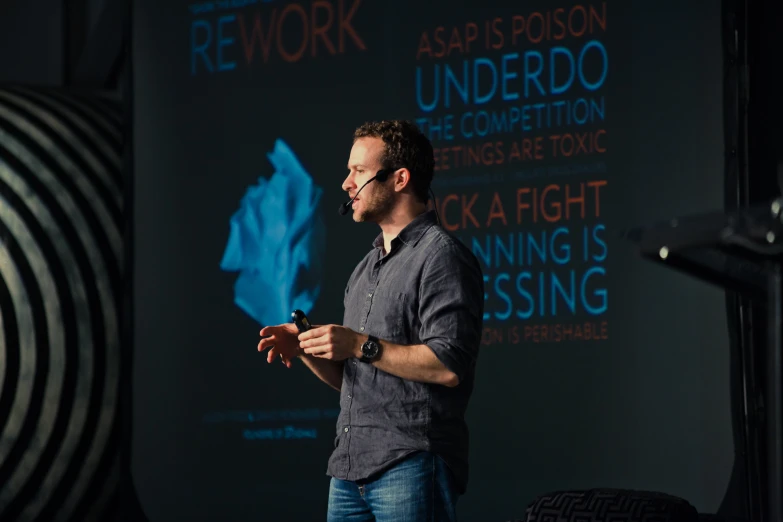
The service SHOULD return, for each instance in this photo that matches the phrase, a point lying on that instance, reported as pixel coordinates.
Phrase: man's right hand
(282, 341)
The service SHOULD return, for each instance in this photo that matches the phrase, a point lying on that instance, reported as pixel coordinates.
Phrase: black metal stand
(743, 252)
(774, 394)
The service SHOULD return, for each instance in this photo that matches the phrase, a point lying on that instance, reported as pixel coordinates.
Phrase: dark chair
(610, 505)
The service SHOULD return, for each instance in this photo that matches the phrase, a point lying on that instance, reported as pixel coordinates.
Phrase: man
(405, 356)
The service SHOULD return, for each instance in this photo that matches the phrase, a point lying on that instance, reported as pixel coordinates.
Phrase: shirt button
(346, 429)
(349, 395)
(369, 295)
(362, 328)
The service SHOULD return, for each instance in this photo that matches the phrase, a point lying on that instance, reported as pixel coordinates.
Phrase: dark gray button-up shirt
(428, 289)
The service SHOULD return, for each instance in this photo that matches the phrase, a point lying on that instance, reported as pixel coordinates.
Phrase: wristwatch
(370, 348)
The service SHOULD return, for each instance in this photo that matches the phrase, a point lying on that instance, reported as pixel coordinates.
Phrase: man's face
(377, 199)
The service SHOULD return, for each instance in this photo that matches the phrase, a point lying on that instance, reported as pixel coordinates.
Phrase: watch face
(370, 349)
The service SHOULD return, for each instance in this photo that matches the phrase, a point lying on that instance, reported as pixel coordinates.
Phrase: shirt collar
(413, 231)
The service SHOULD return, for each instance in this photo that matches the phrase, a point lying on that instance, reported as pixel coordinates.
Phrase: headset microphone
(381, 176)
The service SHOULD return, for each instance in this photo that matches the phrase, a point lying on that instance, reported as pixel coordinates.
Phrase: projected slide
(554, 127)
(517, 110)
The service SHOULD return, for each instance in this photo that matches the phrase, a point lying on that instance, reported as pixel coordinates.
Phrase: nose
(348, 184)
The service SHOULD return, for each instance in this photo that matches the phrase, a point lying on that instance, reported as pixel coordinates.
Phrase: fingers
(319, 342)
(319, 350)
(314, 333)
(272, 330)
(312, 343)
(267, 342)
(274, 353)
(316, 337)
(326, 355)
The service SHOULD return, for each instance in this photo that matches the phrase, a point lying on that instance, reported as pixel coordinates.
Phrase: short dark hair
(405, 147)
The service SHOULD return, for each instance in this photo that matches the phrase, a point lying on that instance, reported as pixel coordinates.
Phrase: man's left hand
(331, 342)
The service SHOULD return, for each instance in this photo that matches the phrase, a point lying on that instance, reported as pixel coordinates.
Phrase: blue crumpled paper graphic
(277, 242)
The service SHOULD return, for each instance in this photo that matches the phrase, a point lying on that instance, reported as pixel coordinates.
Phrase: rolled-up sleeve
(451, 307)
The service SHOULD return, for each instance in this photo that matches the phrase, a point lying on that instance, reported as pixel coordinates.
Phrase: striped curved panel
(61, 254)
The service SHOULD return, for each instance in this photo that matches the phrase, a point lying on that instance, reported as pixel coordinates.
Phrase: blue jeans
(418, 489)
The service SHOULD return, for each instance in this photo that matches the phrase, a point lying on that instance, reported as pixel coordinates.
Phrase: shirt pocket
(389, 318)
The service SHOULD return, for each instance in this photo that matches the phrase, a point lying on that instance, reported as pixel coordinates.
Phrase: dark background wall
(31, 45)
(62, 246)
(664, 426)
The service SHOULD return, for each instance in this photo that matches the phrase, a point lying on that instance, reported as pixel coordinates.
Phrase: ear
(402, 179)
